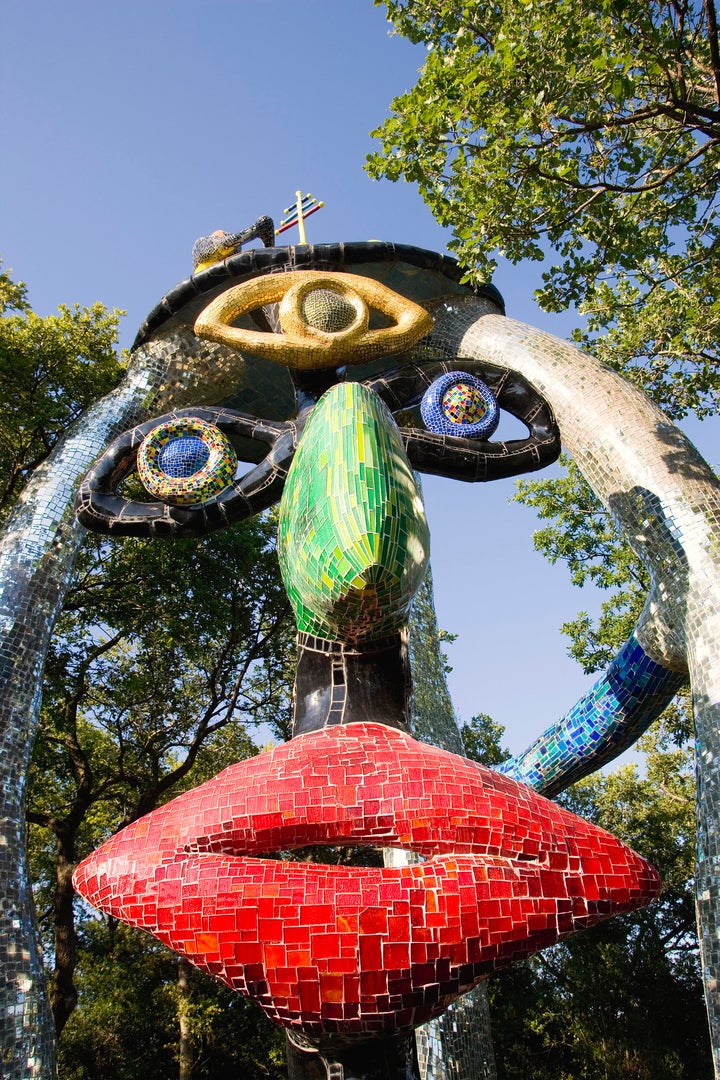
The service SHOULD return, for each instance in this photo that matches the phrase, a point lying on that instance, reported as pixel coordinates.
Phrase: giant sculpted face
(349, 369)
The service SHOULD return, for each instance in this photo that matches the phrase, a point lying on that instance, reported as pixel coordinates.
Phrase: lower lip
(352, 949)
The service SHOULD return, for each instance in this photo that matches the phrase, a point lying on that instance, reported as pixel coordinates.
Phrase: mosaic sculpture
(458, 1044)
(348, 960)
(661, 492)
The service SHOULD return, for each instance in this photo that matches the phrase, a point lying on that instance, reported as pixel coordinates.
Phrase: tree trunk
(63, 994)
(185, 1047)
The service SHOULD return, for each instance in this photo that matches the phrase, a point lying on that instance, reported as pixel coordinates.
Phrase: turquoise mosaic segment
(610, 717)
(353, 540)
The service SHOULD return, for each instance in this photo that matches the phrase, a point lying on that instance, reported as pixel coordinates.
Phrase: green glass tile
(349, 569)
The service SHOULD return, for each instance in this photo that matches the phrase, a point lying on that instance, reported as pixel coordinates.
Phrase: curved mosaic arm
(100, 509)
(666, 500)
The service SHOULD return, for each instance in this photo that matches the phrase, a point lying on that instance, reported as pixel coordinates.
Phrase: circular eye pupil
(463, 404)
(183, 457)
(327, 310)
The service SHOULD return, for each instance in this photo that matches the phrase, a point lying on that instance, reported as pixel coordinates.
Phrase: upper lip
(508, 873)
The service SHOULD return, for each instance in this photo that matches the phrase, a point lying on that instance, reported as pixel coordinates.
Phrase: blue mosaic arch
(608, 719)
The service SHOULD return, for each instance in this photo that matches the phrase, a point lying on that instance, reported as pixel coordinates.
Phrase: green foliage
(581, 534)
(481, 737)
(162, 654)
(147, 625)
(127, 1026)
(589, 129)
(162, 657)
(51, 370)
(585, 133)
(623, 1000)
(122, 1028)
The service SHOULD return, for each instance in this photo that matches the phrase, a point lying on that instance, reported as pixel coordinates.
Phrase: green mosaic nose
(353, 540)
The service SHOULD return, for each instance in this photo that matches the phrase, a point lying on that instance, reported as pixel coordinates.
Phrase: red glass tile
(331, 948)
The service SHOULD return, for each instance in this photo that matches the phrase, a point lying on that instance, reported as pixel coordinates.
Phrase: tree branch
(711, 16)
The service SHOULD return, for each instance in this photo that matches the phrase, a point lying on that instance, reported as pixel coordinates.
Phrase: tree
(51, 369)
(625, 998)
(127, 1023)
(161, 654)
(481, 738)
(590, 130)
(580, 533)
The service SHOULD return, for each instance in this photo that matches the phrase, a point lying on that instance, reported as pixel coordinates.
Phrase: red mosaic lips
(331, 948)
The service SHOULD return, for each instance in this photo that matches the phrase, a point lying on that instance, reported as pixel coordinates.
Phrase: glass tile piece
(353, 550)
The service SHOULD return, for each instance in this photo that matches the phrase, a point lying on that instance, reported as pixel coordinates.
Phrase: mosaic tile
(606, 720)
(186, 461)
(457, 1045)
(361, 950)
(303, 345)
(220, 245)
(353, 541)
(461, 405)
(662, 494)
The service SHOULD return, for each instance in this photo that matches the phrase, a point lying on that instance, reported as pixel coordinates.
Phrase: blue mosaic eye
(460, 404)
(186, 461)
(183, 457)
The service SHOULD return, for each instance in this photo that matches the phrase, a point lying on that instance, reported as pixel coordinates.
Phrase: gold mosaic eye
(328, 310)
(325, 319)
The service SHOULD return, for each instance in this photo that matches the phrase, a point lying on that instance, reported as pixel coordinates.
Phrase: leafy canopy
(578, 531)
(623, 999)
(51, 370)
(588, 130)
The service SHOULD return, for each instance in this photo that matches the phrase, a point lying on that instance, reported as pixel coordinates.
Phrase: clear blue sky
(129, 129)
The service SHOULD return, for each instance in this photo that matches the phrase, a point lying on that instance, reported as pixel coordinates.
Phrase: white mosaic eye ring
(186, 461)
(460, 404)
